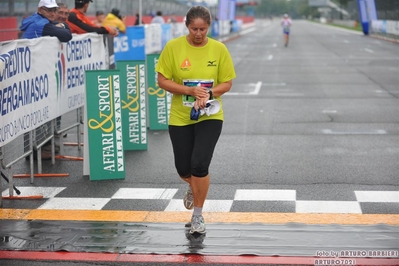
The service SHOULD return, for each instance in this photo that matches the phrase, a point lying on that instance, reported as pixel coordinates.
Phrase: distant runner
(286, 24)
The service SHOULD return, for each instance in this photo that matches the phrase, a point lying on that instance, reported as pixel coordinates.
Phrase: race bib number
(189, 100)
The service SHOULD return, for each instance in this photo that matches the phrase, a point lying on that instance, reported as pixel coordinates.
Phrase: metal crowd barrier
(29, 145)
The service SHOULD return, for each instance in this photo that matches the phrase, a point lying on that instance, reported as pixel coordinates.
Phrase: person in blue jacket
(42, 23)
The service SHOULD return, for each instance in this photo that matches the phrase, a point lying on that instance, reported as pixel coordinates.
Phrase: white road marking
(270, 57)
(258, 85)
(145, 193)
(246, 31)
(75, 203)
(46, 192)
(377, 196)
(369, 50)
(274, 84)
(257, 88)
(305, 206)
(265, 194)
(372, 132)
(288, 94)
(255, 195)
(330, 111)
(209, 205)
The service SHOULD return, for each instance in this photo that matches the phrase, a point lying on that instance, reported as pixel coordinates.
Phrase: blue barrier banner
(130, 46)
(215, 28)
(166, 33)
(234, 26)
(368, 13)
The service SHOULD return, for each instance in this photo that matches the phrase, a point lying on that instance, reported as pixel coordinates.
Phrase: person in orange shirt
(79, 23)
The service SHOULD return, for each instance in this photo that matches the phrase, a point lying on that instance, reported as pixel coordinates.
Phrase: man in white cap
(41, 23)
(38, 25)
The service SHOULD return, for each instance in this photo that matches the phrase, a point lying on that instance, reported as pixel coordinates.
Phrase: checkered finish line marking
(252, 196)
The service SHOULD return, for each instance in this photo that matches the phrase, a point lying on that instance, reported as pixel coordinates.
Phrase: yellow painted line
(210, 217)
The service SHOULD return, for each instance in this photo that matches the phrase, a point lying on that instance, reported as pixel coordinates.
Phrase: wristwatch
(210, 94)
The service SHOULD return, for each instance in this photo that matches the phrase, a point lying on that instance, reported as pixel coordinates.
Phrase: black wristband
(210, 94)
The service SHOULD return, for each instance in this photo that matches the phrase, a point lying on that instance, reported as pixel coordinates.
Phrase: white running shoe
(197, 224)
(188, 199)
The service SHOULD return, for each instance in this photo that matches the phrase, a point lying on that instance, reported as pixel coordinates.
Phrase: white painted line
(257, 85)
(257, 88)
(270, 57)
(330, 111)
(274, 44)
(369, 50)
(46, 192)
(265, 194)
(209, 206)
(237, 93)
(304, 206)
(288, 94)
(246, 31)
(372, 132)
(145, 193)
(377, 196)
(75, 203)
(346, 41)
(381, 91)
(274, 84)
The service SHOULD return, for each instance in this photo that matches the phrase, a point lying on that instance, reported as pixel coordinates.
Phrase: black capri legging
(193, 146)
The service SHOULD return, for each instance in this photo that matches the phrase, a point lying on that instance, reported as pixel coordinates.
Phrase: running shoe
(188, 199)
(197, 224)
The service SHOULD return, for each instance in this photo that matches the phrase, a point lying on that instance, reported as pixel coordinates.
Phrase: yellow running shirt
(180, 61)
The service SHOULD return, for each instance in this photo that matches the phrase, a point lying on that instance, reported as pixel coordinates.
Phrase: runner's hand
(200, 92)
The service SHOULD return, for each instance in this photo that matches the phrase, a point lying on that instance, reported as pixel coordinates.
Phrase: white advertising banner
(393, 27)
(385, 27)
(41, 79)
(153, 38)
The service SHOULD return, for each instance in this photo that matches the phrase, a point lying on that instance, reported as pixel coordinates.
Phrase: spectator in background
(172, 19)
(100, 16)
(41, 23)
(137, 22)
(114, 19)
(158, 18)
(79, 23)
(61, 16)
(62, 13)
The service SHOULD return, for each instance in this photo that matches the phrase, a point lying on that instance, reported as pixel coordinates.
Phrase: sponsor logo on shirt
(185, 65)
(212, 63)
